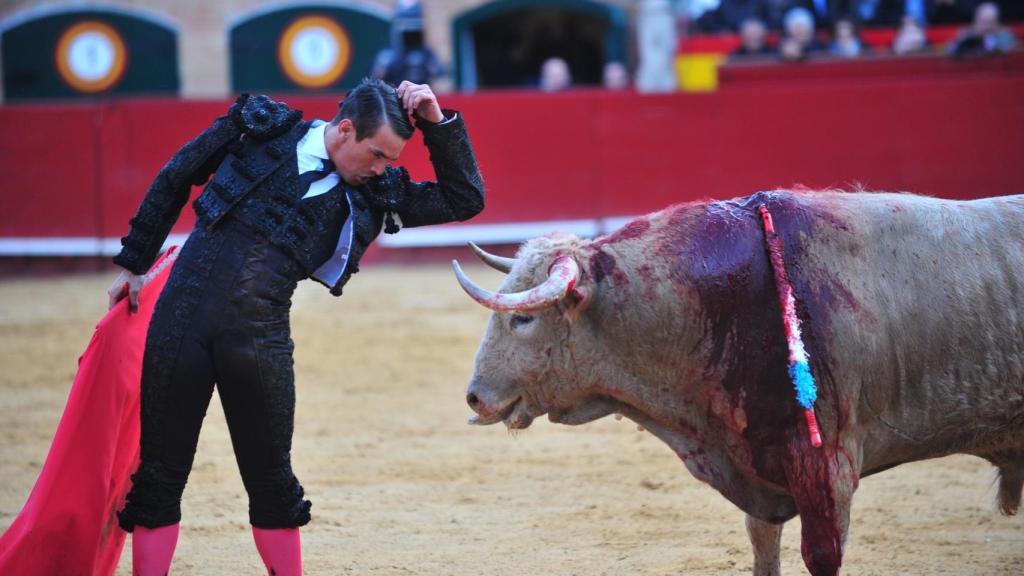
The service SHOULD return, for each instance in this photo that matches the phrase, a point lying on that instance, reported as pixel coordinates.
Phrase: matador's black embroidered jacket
(251, 152)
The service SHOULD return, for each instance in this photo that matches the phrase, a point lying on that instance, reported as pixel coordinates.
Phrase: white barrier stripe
(71, 246)
(426, 237)
(508, 233)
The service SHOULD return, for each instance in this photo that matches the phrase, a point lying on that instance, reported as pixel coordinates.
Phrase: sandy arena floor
(401, 485)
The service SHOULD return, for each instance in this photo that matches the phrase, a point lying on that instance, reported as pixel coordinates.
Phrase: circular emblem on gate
(314, 51)
(90, 56)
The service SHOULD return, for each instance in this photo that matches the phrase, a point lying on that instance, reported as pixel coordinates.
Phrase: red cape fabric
(69, 523)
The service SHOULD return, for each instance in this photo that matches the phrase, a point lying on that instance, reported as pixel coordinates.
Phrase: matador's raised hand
(419, 98)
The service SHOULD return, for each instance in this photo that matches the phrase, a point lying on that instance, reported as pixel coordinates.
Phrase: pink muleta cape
(69, 523)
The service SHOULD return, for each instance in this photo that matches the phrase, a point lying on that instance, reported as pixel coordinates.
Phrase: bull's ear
(576, 302)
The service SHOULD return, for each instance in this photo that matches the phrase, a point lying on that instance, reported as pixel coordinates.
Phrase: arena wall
(580, 161)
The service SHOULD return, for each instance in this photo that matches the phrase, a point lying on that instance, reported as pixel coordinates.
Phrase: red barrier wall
(933, 126)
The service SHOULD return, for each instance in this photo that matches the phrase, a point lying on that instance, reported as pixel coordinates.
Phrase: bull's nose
(485, 399)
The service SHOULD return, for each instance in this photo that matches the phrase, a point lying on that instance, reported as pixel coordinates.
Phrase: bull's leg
(1011, 484)
(1011, 479)
(765, 538)
(822, 482)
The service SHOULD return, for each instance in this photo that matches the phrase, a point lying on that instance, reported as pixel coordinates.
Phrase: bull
(913, 316)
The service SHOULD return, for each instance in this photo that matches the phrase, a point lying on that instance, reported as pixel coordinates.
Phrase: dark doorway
(260, 62)
(89, 53)
(511, 47)
(503, 44)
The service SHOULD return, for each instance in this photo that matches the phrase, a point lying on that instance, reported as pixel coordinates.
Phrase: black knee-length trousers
(222, 318)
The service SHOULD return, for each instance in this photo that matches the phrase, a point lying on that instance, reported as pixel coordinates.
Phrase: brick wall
(203, 29)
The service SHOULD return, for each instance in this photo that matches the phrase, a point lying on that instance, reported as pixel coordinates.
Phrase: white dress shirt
(310, 152)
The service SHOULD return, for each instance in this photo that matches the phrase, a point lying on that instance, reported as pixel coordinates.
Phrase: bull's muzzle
(491, 407)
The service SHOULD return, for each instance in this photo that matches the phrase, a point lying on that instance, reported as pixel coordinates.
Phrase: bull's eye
(518, 320)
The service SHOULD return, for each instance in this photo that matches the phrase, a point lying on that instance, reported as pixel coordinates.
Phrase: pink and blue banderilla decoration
(799, 369)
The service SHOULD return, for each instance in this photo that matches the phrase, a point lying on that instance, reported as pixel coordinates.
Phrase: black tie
(306, 179)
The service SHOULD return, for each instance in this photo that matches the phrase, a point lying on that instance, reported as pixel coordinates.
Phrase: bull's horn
(562, 277)
(499, 263)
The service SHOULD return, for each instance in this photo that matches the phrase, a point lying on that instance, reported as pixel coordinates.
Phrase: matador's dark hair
(369, 104)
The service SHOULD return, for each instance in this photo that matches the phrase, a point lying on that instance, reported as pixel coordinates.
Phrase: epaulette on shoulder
(263, 118)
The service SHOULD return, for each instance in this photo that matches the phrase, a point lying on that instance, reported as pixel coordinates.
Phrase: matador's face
(358, 161)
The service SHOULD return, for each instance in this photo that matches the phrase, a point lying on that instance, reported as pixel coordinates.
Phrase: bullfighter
(289, 199)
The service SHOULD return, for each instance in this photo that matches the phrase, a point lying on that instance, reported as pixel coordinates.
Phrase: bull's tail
(1011, 484)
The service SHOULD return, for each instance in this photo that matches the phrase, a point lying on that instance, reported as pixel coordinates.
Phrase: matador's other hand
(126, 284)
(419, 98)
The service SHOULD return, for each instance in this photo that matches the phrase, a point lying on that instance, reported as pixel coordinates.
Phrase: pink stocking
(281, 550)
(152, 550)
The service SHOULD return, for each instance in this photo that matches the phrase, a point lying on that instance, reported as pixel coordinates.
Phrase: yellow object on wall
(698, 72)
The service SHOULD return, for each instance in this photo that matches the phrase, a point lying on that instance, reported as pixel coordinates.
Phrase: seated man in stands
(910, 38)
(615, 76)
(799, 38)
(555, 75)
(754, 35)
(985, 36)
(846, 42)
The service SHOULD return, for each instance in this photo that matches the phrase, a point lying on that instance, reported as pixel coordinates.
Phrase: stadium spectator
(910, 38)
(615, 76)
(985, 36)
(846, 42)
(555, 75)
(798, 35)
(754, 35)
